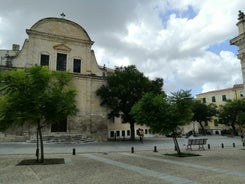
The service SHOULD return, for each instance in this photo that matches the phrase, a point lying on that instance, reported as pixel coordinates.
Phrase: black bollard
(132, 149)
(155, 149)
(209, 146)
(222, 145)
(234, 145)
(74, 151)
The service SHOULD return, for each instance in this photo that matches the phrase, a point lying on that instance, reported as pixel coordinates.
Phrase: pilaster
(240, 42)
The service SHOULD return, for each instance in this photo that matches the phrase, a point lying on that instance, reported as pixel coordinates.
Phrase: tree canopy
(164, 114)
(233, 113)
(36, 96)
(203, 112)
(154, 111)
(125, 86)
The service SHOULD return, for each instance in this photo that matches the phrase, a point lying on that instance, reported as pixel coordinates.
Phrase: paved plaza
(113, 162)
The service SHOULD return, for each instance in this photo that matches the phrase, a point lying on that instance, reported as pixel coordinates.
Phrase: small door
(60, 126)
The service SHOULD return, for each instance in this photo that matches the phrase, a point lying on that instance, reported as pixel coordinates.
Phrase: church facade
(63, 45)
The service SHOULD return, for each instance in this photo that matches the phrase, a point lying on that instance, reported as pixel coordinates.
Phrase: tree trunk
(234, 132)
(176, 144)
(37, 149)
(132, 131)
(202, 127)
(41, 142)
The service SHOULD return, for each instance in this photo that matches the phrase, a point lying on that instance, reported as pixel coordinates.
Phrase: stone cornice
(79, 75)
(237, 40)
(59, 37)
(241, 56)
(62, 47)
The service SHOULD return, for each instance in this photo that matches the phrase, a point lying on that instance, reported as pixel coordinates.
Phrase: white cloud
(179, 49)
(212, 71)
(162, 38)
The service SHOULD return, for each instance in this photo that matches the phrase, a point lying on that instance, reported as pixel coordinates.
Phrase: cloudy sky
(185, 42)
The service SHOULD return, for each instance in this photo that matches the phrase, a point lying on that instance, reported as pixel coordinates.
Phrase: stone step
(63, 139)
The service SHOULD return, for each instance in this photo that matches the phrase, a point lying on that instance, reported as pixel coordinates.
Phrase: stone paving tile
(214, 166)
(206, 170)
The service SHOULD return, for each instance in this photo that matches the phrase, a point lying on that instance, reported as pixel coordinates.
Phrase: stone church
(64, 45)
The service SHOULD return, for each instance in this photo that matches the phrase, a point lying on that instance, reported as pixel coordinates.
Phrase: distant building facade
(119, 130)
(220, 97)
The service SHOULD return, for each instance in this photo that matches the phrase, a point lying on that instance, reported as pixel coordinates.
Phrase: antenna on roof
(62, 15)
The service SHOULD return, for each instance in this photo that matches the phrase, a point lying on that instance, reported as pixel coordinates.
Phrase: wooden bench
(200, 142)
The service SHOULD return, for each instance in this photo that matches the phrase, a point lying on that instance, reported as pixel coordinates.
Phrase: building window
(223, 97)
(44, 60)
(242, 93)
(61, 62)
(203, 100)
(123, 133)
(216, 122)
(118, 133)
(146, 131)
(77, 66)
(111, 133)
(213, 99)
(128, 132)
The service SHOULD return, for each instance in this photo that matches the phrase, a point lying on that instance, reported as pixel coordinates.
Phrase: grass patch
(49, 161)
(182, 154)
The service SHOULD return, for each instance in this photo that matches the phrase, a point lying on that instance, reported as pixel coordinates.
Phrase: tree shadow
(182, 154)
(50, 161)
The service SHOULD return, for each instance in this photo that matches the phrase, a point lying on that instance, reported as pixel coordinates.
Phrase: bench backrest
(197, 141)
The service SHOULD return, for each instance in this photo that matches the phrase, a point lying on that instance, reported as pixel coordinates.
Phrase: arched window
(77, 65)
(44, 60)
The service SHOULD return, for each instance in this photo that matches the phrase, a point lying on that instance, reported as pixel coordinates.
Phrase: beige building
(119, 130)
(220, 97)
(64, 45)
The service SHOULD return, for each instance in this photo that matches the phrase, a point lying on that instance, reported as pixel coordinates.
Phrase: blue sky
(188, 13)
(225, 45)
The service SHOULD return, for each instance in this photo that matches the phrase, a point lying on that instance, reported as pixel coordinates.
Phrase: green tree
(36, 96)
(203, 113)
(164, 114)
(232, 114)
(125, 86)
